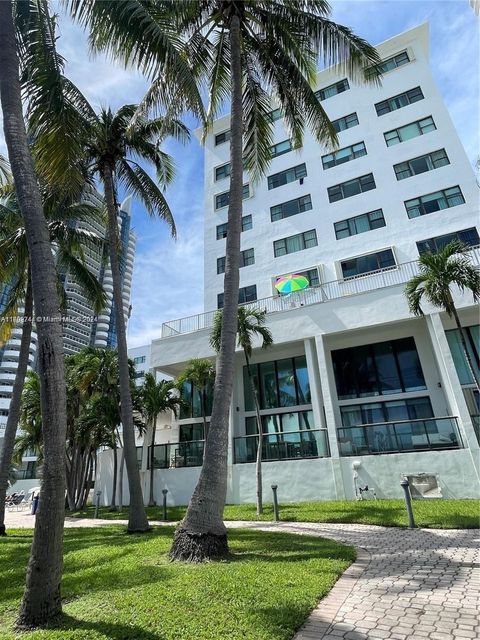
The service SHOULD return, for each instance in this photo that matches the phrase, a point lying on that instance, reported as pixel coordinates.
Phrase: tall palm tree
(251, 324)
(70, 244)
(31, 435)
(200, 375)
(156, 398)
(249, 50)
(450, 266)
(41, 599)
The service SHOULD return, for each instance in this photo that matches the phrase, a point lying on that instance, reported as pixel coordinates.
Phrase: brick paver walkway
(405, 585)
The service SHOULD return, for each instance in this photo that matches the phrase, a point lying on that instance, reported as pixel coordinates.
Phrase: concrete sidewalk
(405, 584)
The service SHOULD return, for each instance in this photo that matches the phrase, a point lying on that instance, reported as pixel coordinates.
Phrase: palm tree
(156, 398)
(41, 599)
(70, 244)
(31, 435)
(248, 51)
(200, 375)
(251, 323)
(450, 266)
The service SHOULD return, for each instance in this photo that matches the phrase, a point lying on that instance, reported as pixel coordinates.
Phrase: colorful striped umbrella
(292, 282)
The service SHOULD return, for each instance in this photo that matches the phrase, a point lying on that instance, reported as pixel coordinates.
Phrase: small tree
(156, 398)
(251, 323)
(200, 373)
(438, 272)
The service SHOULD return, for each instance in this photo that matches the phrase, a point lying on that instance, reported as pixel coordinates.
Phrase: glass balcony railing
(177, 454)
(394, 437)
(291, 445)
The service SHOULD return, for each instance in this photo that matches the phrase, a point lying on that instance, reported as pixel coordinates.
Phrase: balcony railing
(379, 279)
(401, 436)
(291, 445)
(177, 454)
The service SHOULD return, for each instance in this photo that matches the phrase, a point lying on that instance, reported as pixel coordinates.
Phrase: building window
(310, 274)
(274, 115)
(279, 383)
(222, 228)
(359, 224)
(223, 199)
(399, 101)
(220, 138)
(281, 147)
(247, 258)
(332, 90)
(434, 202)
(139, 359)
(345, 123)
(192, 402)
(409, 131)
(289, 175)
(392, 411)
(290, 208)
(344, 155)
(432, 245)
(472, 339)
(394, 62)
(245, 294)
(378, 369)
(421, 164)
(351, 188)
(222, 172)
(366, 264)
(298, 242)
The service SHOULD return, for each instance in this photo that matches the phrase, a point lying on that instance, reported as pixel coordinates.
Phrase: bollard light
(408, 502)
(165, 491)
(276, 517)
(97, 504)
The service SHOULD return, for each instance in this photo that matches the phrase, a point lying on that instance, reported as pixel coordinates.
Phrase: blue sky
(168, 275)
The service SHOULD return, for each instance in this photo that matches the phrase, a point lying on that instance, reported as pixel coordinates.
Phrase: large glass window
(280, 148)
(290, 208)
(298, 242)
(409, 131)
(223, 171)
(466, 236)
(289, 175)
(245, 294)
(399, 101)
(351, 188)
(280, 383)
(192, 401)
(378, 369)
(332, 89)
(223, 199)
(472, 340)
(421, 164)
(368, 263)
(347, 122)
(359, 224)
(436, 201)
(189, 432)
(344, 155)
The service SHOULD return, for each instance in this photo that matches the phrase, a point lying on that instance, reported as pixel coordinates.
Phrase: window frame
(246, 188)
(357, 150)
(350, 222)
(389, 102)
(296, 235)
(241, 293)
(246, 217)
(299, 170)
(344, 120)
(397, 139)
(337, 85)
(304, 206)
(226, 133)
(276, 154)
(341, 187)
(453, 235)
(364, 274)
(409, 207)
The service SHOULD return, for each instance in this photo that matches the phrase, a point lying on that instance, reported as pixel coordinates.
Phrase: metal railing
(290, 445)
(400, 436)
(174, 455)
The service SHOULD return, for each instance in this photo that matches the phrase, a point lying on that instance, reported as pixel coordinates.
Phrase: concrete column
(315, 384)
(328, 395)
(452, 387)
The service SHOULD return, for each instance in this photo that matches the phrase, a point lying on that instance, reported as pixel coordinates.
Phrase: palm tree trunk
(464, 345)
(258, 463)
(6, 451)
(202, 534)
(137, 517)
(113, 501)
(41, 599)
(151, 501)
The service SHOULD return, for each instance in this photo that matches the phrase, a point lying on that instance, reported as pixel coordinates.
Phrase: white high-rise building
(355, 390)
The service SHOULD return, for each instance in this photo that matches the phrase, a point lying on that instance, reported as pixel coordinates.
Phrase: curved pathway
(405, 584)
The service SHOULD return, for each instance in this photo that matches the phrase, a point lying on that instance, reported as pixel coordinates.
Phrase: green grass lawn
(121, 587)
(435, 514)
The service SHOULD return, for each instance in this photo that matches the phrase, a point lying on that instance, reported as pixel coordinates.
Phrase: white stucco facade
(363, 314)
